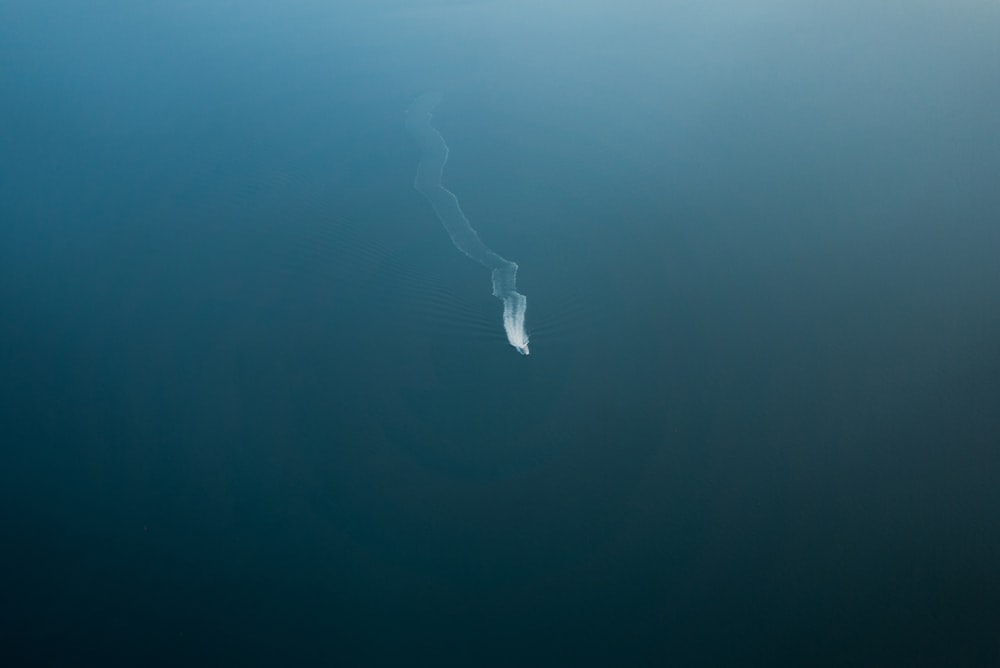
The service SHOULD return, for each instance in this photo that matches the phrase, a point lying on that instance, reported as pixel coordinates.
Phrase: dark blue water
(256, 409)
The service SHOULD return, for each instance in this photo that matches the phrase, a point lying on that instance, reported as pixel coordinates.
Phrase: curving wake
(433, 156)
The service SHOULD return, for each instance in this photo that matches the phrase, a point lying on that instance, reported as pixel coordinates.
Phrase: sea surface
(257, 409)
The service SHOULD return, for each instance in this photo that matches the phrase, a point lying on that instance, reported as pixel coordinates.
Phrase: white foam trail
(433, 156)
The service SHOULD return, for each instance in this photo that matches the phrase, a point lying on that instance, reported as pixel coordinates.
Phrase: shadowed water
(255, 409)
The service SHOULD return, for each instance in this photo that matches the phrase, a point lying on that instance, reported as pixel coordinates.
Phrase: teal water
(257, 409)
